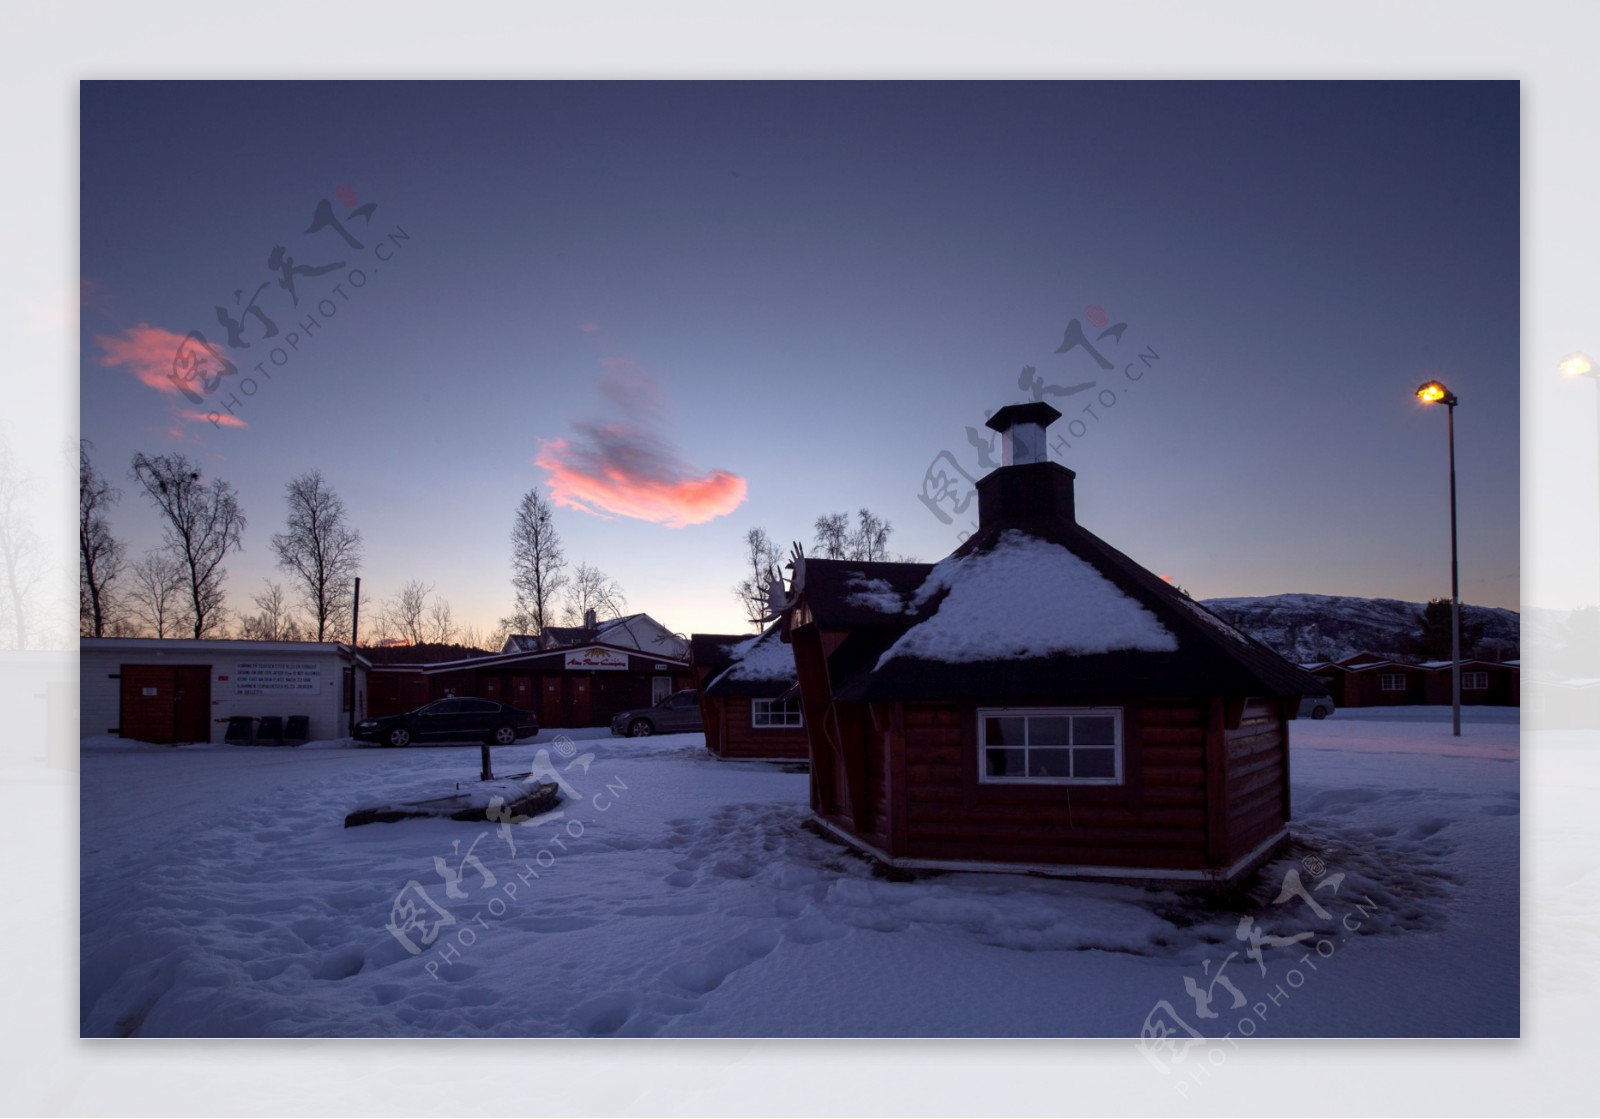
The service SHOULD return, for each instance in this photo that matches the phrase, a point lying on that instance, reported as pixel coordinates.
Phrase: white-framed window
(660, 689)
(1474, 681)
(770, 713)
(1392, 681)
(1050, 745)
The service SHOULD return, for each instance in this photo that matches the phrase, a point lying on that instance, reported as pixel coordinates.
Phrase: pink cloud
(622, 467)
(589, 327)
(146, 350)
(220, 419)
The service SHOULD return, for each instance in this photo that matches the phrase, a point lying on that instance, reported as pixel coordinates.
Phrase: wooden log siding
(1156, 818)
(737, 737)
(1257, 776)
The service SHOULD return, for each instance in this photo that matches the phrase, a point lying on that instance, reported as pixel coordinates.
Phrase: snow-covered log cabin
(748, 699)
(1037, 700)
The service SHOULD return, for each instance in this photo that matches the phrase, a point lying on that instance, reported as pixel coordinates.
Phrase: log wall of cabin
(737, 738)
(1157, 818)
(1257, 776)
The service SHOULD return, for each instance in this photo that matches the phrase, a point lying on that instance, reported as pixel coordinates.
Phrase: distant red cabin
(749, 700)
(1038, 700)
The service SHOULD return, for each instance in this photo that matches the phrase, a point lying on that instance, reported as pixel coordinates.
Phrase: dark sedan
(679, 711)
(452, 720)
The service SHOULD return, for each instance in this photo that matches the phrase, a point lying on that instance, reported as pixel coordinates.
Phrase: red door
(578, 700)
(550, 706)
(192, 703)
(165, 703)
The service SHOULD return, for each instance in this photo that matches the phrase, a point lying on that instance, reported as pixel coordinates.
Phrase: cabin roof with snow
(1032, 606)
(759, 666)
(713, 651)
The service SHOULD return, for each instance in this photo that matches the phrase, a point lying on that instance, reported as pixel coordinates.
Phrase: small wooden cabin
(748, 697)
(1038, 700)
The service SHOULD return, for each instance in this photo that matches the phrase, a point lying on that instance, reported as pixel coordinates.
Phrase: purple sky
(687, 309)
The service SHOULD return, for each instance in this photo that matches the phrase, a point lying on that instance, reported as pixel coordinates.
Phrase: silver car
(675, 714)
(1316, 706)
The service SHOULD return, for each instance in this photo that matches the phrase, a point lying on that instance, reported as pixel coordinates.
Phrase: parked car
(452, 720)
(1317, 706)
(680, 711)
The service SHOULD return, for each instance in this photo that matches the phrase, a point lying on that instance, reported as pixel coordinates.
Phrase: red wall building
(1038, 700)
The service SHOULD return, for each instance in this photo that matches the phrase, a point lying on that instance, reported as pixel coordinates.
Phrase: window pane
(1094, 730)
(1094, 763)
(1006, 731)
(1005, 763)
(1049, 730)
(1049, 763)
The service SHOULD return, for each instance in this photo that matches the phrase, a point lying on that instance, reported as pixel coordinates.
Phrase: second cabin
(1037, 700)
(749, 699)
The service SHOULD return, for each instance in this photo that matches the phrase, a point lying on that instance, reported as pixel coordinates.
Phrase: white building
(631, 631)
(157, 690)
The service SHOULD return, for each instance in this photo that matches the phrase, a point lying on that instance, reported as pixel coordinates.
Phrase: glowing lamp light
(1433, 393)
(1577, 365)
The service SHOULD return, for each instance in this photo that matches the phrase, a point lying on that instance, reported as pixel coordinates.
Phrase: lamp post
(1435, 393)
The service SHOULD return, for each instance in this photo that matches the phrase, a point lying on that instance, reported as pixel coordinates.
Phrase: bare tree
(538, 564)
(870, 540)
(22, 563)
(472, 637)
(276, 622)
(204, 523)
(502, 631)
(322, 551)
(405, 615)
(439, 626)
(101, 557)
(833, 536)
(593, 589)
(157, 594)
(762, 558)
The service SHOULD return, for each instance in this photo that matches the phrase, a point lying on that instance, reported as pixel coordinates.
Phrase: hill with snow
(1318, 627)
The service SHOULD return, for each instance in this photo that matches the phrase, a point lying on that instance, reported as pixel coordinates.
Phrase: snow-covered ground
(682, 895)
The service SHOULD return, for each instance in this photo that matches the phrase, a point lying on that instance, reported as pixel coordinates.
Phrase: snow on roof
(875, 594)
(1212, 620)
(763, 657)
(1025, 597)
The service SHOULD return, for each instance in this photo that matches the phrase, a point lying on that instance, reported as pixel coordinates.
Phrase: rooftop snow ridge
(1025, 597)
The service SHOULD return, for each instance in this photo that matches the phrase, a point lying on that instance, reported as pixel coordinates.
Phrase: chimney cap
(1037, 412)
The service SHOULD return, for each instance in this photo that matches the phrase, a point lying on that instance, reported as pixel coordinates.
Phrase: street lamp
(1433, 392)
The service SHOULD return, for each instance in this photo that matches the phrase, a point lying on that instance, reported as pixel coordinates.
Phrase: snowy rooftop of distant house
(1025, 597)
(874, 594)
(763, 657)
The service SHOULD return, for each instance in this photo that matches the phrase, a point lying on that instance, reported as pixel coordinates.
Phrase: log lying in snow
(518, 800)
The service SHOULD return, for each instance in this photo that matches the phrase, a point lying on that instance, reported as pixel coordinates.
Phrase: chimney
(589, 618)
(1027, 485)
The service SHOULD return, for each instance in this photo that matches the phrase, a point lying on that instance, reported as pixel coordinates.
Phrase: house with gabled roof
(628, 631)
(749, 700)
(1038, 700)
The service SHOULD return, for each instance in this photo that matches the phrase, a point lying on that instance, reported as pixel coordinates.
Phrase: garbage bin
(269, 730)
(296, 730)
(241, 731)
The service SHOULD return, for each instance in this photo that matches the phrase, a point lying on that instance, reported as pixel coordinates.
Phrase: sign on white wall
(596, 658)
(277, 678)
